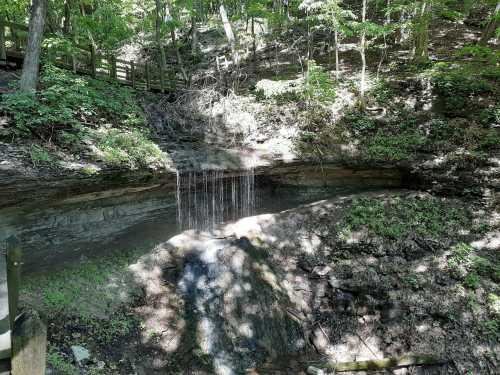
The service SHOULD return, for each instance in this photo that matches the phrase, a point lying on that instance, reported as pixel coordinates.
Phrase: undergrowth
(80, 115)
(399, 217)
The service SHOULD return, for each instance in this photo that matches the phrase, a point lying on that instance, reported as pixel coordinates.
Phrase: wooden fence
(87, 61)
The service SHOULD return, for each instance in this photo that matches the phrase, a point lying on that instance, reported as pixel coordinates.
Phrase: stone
(80, 354)
(334, 282)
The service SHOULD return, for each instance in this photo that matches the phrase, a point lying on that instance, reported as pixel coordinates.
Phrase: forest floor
(360, 277)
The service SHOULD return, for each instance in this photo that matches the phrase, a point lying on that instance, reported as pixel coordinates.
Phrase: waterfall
(206, 198)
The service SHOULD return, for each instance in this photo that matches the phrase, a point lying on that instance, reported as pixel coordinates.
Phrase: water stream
(207, 198)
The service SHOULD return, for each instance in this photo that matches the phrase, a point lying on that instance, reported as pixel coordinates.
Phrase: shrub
(456, 89)
(67, 100)
(319, 86)
(130, 149)
(394, 147)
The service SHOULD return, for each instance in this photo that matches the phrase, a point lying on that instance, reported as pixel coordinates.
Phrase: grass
(398, 217)
(94, 288)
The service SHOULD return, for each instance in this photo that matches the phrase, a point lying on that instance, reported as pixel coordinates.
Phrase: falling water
(206, 198)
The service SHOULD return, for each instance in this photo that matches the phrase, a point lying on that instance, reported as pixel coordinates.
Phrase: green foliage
(456, 90)
(41, 157)
(131, 149)
(359, 122)
(468, 267)
(472, 280)
(66, 101)
(394, 147)
(106, 331)
(491, 328)
(61, 364)
(399, 217)
(75, 289)
(319, 86)
(383, 93)
(479, 52)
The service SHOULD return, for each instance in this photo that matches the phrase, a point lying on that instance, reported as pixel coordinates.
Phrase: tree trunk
(67, 17)
(362, 50)
(421, 33)
(492, 26)
(3, 51)
(229, 33)
(337, 61)
(254, 43)
(194, 36)
(159, 45)
(29, 76)
(173, 36)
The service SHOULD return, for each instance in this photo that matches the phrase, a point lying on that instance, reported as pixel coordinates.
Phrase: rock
(334, 282)
(321, 270)
(319, 340)
(80, 354)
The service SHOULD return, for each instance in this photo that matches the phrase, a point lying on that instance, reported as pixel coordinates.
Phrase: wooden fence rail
(87, 61)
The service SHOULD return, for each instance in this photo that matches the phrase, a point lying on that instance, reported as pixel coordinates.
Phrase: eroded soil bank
(361, 276)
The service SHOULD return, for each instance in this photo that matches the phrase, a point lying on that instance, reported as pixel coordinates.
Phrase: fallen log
(375, 364)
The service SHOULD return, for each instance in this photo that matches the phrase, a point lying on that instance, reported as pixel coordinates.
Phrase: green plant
(494, 304)
(130, 149)
(40, 156)
(394, 147)
(359, 122)
(472, 280)
(398, 217)
(456, 90)
(318, 86)
(491, 328)
(60, 363)
(383, 92)
(67, 100)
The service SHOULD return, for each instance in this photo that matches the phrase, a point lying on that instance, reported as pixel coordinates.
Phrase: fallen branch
(376, 364)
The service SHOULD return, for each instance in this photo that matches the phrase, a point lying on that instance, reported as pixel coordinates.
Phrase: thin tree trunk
(67, 17)
(492, 26)
(173, 36)
(3, 51)
(194, 36)
(229, 33)
(159, 45)
(254, 42)
(31, 64)
(362, 50)
(337, 60)
(421, 33)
